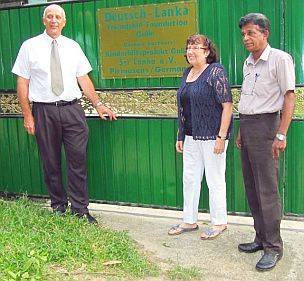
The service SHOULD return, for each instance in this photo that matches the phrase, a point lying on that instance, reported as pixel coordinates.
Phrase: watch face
(280, 137)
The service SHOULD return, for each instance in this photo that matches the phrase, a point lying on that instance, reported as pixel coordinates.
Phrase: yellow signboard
(146, 40)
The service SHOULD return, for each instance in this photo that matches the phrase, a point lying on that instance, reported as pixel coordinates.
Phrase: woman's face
(196, 54)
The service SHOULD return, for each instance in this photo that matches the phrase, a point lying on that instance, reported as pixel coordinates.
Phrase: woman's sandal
(178, 229)
(212, 233)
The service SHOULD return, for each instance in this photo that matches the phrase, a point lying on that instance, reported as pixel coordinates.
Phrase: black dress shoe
(250, 247)
(268, 261)
(90, 218)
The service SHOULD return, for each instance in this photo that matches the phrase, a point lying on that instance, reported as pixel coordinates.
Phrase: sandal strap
(211, 231)
(178, 229)
(175, 227)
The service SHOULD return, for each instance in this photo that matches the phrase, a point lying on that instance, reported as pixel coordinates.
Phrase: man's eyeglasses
(195, 48)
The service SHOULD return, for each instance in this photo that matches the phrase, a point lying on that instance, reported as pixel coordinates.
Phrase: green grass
(184, 273)
(38, 245)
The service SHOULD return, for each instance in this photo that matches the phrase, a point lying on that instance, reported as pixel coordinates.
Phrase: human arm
(287, 112)
(179, 145)
(224, 97)
(225, 123)
(89, 91)
(23, 93)
(286, 81)
(22, 70)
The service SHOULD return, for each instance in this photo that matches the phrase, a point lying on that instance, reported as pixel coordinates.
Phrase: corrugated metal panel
(134, 161)
(131, 160)
(19, 161)
(16, 25)
(6, 52)
(236, 198)
(217, 18)
(294, 32)
(138, 163)
(294, 170)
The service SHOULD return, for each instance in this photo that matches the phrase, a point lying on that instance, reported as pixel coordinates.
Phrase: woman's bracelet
(220, 137)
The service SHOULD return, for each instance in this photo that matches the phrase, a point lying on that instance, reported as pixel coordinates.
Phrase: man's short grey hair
(257, 19)
(54, 6)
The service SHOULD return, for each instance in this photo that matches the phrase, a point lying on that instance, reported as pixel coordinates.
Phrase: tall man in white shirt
(268, 88)
(49, 68)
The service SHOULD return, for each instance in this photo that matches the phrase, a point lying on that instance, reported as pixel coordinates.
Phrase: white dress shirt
(266, 81)
(33, 63)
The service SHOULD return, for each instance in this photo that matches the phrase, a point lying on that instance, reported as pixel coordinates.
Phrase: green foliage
(299, 109)
(163, 102)
(34, 243)
(140, 102)
(184, 273)
(32, 268)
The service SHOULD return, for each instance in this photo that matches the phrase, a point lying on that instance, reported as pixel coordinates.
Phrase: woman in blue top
(205, 121)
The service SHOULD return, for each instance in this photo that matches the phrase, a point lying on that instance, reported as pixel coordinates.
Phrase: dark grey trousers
(260, 173)
(56, 126)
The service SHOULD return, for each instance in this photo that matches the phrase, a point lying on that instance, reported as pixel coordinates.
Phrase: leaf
(12, 274)
(43, 258)
(32, 252)
(28, 264)
(25, 275)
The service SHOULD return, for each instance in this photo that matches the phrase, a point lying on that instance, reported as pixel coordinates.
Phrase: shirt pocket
(265, 81)
(261, 86)
(247, 85)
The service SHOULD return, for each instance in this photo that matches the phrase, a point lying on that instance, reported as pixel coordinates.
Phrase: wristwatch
(280, 137)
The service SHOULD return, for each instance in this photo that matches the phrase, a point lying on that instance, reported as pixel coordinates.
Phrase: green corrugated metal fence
(294, 170)
(134, 161)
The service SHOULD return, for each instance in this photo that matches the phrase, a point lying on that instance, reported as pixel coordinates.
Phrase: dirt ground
(219, 259)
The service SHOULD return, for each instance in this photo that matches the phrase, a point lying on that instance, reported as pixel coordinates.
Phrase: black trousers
(260, 171)
(56, 126)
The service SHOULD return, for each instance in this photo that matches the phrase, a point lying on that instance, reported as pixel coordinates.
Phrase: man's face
(54, 22)
(254, 39)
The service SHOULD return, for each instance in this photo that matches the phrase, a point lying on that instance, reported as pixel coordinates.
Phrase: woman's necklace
(194, 74)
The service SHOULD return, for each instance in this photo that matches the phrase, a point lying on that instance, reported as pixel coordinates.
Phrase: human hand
(238, 141)
(219, 147)
(277, 147)
(29, 124)
(179, 146)
(102, 110)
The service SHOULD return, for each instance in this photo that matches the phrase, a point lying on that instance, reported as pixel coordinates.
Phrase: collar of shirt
(49, 39)
(264, 56)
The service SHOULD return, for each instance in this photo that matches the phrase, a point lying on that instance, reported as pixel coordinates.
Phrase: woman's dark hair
(257, 19)
(196, 39)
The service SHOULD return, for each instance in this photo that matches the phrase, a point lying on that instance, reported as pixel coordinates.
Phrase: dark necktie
(56, 73)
